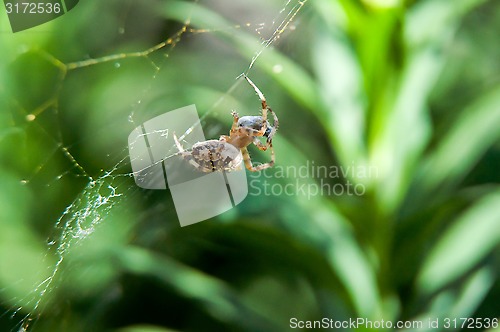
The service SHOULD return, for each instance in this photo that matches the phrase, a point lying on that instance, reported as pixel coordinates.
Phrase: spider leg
(248, 161)
(260, 145)
(186, 155)
(263, 101)
(178, 144)
(259, 93)
(236, 117)
(276, 125)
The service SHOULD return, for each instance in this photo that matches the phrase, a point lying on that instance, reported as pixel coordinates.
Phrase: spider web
(102, 190)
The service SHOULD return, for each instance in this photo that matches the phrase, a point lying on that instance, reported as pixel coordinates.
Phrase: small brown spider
(223, 154)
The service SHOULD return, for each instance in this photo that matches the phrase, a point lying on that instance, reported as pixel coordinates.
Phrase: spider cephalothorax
(223, 154)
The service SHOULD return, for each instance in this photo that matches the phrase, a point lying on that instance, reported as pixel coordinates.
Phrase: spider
(223, 154)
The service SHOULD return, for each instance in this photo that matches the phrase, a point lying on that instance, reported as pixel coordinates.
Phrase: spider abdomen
(214, 155)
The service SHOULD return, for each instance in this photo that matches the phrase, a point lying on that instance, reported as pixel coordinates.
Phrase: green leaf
(214, 295)
(463, 245)
(432, 22)
(341, 86)
(462, 303)
(468, 139)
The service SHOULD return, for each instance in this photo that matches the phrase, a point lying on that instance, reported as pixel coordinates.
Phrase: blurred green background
(408, 88)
